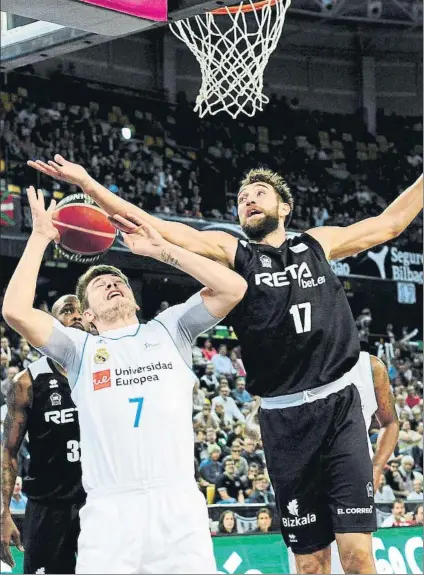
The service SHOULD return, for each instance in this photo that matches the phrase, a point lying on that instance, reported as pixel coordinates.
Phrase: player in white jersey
(371, 377)
(132, 385)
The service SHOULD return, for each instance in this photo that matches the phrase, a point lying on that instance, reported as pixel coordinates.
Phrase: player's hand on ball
(140, 237)
(42, 222)
(9, 532)
(63, 170)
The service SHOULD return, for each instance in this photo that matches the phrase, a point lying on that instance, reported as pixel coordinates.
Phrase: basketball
(85, 231)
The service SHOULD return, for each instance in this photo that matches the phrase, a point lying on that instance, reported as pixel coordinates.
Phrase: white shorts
(160, 531)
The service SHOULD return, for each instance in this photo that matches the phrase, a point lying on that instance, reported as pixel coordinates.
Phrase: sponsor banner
(396, 550)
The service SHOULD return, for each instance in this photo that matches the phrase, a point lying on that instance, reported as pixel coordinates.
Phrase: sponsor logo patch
(101, 379)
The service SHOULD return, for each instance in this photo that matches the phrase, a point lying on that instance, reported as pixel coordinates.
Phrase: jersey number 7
(139, 402)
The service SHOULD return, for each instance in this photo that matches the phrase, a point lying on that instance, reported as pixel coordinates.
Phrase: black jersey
(294, 324)
(54, 437)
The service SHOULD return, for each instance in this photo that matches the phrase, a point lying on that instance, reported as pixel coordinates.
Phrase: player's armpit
(340, 242)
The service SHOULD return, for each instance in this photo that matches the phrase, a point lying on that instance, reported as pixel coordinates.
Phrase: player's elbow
(391, 227)
(11, 312)
(237, 291)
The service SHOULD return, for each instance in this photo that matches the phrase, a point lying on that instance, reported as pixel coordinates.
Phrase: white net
(233, 51)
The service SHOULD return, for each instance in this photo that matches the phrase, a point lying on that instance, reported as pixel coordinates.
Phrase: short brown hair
(273, 179)
(92, 273)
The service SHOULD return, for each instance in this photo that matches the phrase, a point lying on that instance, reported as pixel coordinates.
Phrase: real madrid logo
(102, 355)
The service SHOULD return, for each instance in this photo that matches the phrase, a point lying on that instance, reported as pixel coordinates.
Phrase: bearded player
(300, 344)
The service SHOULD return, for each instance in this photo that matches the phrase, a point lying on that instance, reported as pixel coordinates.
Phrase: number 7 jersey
(133, 387)
(294, 324)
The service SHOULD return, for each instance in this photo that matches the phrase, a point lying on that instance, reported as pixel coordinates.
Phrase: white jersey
(133, 389)
(365, 383)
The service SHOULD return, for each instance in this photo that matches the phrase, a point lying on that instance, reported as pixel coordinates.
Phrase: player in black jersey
(300, 347)
(39, 403)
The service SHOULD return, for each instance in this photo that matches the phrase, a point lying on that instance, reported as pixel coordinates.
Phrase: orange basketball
(85, 231)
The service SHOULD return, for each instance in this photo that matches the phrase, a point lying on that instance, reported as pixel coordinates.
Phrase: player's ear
(89, 315)
(283, 209)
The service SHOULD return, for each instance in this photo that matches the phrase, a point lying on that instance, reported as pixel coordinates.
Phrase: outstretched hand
(61, 169)
(42, 219)
(140, 237)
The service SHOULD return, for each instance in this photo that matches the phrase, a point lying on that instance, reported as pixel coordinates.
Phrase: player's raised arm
(387, 418)
(19, 398)
(18, 310)
(342, 242)
(217, 246)
(224, 288)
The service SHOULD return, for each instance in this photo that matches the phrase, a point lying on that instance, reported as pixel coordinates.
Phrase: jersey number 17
(302, 325)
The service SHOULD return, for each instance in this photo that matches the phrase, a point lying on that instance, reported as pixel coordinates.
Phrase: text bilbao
(300, 273)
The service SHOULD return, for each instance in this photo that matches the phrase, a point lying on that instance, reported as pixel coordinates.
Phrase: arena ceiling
(67, 25)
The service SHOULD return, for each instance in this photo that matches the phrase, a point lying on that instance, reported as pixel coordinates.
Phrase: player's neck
(275, 238)
(118, 323)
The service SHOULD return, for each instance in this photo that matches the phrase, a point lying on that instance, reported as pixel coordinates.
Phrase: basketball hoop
(233, 58)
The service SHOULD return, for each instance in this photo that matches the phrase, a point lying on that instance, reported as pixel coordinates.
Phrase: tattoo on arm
(386, 411)
(19, 398)
(168, 258)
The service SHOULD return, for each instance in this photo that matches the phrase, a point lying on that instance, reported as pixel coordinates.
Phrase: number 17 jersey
(295, 325)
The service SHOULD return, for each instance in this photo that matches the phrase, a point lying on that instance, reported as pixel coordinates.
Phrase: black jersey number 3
(302, 322)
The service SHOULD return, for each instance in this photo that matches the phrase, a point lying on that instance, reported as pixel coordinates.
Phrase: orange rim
(248, 8)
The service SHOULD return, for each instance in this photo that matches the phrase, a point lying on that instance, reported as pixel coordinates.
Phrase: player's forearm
(386, 443)
(219, 279)
(406, 207)
(9, 472)
(113, 204)
(20, 293)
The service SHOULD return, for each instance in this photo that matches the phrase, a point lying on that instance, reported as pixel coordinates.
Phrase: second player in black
(40, 404)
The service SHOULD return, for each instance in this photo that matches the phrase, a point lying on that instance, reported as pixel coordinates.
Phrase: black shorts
(50, 537)
(319, 464)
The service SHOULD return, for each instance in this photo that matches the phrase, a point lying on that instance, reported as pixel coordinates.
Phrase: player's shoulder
(39, 367)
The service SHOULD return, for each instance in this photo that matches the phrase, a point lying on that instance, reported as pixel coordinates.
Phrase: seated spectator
(261, 491)
(211, 468)
(230, 407)
(222, 363)
(264, 519)
(417, 491)
(24, 358)
(208, 350)
(241, 396)
(252, 474)
(408, 438)
(384, 493)
(10, 374)
(5, 348)
(198, 398)
(418, 515)
(398, 517)
(198, 358)
(417, 417)
(251, 455)
(19, 500)
(412, 399)
(401, 406)
(237, 364)
(210, 442)
(206, 418)
(237, 434)
(225, 423)
(4, 364)
(227, 523)
(209, 382)
(200, 444)
(407, 472)
(394, 479)
(228, 486)
(240, 463)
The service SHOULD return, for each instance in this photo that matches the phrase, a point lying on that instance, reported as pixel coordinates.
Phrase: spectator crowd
(175, 164)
